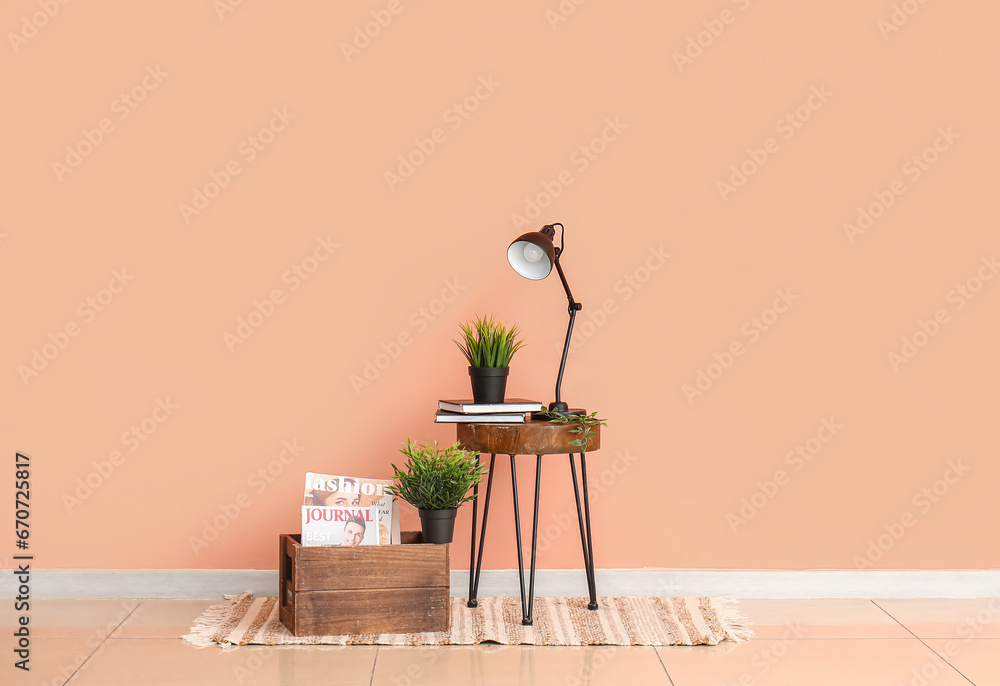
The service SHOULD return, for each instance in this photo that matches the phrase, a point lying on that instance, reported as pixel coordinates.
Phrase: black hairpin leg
(529, 618)
(517, 530)
(476, 561)
(527, 602)
(585, 536)
(471, 602)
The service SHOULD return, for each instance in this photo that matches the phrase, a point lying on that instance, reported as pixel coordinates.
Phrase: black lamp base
(554, 408)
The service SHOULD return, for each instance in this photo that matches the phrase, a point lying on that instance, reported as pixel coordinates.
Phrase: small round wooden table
(534, 437)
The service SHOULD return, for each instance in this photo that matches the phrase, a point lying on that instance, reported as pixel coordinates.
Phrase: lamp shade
(532, 255)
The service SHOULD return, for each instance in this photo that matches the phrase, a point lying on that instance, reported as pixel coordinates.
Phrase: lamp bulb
(532, 253)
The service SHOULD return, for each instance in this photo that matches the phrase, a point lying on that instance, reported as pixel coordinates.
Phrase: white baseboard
(214, 583)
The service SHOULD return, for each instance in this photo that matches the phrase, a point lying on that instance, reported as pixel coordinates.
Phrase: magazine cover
(329, 490)
(347, 526)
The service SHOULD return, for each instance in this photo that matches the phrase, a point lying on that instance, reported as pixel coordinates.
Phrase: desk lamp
(532, 256)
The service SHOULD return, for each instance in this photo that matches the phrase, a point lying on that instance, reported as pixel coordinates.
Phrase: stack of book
(511, 411)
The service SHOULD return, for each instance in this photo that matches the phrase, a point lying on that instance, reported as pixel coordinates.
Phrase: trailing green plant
(436, 478)
(488, 343)
(582, 425)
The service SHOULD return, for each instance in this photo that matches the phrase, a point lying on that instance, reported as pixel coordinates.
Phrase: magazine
(345, 526)
(329, 490)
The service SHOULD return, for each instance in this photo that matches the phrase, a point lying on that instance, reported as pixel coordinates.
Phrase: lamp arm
(574, 307)
(573, 304)
(550, 231)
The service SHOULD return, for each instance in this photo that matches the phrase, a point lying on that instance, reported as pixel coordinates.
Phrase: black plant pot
(438, 526)
(489, 384)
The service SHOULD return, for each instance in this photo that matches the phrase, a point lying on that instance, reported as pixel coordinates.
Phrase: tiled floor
(932, 642)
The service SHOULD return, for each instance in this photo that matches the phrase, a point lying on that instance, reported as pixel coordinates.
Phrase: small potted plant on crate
(489, 345)
(436, 481)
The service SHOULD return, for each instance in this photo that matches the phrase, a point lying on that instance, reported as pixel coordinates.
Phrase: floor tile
(70, 618)
(160, 661)
(522, 665)
(157, 618)
(978, 659)
(820, 618)
(831, 662)
(947, 617)
(815, 642)
(51, 660)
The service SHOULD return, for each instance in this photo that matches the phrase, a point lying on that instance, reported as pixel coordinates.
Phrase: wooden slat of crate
(371, 567)
(385, 611)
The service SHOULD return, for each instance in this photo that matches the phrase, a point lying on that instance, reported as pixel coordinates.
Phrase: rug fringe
(202, 634)
(737, 626)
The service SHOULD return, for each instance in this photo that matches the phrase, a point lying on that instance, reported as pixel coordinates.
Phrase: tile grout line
(126, 617)
(659, 657)
(378, 649)
(887, 614)
(945, 660)
(924, 644)
(103, 641)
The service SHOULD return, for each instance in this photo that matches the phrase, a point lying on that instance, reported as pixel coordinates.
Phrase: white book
(443, 417)
(469, 407)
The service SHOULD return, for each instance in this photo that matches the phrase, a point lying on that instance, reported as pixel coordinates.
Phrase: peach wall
(728, 319)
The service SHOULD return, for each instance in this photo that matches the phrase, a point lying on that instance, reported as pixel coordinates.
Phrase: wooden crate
(363, 589)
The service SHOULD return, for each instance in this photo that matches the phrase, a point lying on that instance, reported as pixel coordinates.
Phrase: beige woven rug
(246, 620)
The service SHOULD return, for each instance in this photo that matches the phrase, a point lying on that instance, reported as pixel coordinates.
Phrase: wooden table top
(534, 437)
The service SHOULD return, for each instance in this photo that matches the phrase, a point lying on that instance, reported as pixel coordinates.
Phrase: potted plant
(436, 481)
(489, 345)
